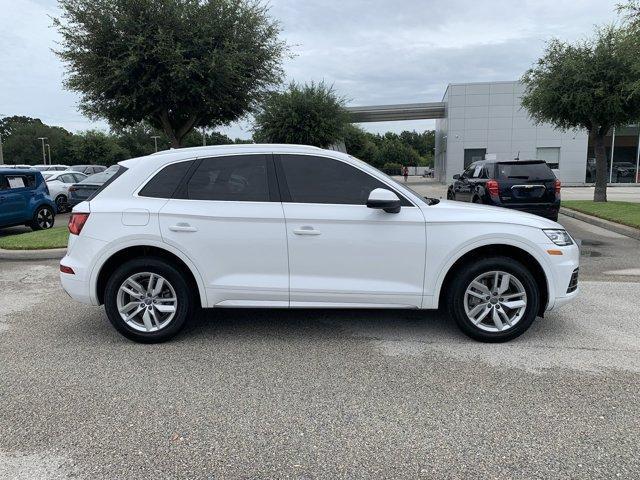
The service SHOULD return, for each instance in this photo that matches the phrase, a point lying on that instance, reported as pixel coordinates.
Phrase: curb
(600, 222)
(50, 254)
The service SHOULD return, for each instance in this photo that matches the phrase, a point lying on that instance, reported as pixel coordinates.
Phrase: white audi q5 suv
(285, 226)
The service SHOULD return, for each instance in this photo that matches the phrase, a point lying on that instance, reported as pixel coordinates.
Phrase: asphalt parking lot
(324, 394)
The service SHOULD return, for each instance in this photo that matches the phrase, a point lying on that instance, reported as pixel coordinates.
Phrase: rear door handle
(306, 230)
(182, 227)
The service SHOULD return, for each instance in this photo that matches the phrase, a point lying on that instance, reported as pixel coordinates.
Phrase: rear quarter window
(165, 183)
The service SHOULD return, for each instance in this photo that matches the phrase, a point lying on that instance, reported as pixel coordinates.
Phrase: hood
(448, 211)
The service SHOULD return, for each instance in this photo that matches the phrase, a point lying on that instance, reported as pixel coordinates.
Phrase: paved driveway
(323, 394)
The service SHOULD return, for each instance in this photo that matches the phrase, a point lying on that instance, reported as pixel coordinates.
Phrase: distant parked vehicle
(88, 169)
(24, 199)
(529, 186)
(81, 191)
(59, 183)
(50, 168)
(621, 172)
(15, 166)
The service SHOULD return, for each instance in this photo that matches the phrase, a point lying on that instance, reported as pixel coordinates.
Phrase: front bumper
(564, 287)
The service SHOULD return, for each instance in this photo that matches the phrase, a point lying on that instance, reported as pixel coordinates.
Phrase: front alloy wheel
(493, 299)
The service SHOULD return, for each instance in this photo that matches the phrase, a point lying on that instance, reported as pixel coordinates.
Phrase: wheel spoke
(515, 304)
(511, 296)
(496, 320)
(504, 283)
(482, 316)
(503, 315)
(129, 306)
(480, 287)
(135, 312)
(154, 317)
(158, 287)
(496, 281)
(146, 318)
(476, 310)
(476, 294)
(165, 308)
(151, 283)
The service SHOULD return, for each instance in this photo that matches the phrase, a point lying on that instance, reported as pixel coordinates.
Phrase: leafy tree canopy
(589, 85)
(176, 64)
(310, 114)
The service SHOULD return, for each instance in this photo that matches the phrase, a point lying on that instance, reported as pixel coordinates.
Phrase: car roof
(214, 150)
(14, 171)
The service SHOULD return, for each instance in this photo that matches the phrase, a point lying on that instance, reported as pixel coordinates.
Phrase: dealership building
(475, 121)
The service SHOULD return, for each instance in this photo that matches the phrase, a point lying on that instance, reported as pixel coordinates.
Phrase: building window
(551, 155)
(473, 155)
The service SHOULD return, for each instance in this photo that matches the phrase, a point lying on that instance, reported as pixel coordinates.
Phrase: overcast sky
(373, 51)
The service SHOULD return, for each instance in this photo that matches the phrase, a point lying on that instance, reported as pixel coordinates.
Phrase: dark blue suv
(24, 199)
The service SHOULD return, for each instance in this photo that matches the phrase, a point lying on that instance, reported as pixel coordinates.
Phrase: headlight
(559, 237)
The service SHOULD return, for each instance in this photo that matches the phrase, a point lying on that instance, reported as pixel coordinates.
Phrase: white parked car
(59, 183)
(301, 227)
(50, 168)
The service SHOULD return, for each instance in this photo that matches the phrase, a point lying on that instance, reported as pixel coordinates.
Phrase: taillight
(493, 188)
(76, 222)
(558, 186)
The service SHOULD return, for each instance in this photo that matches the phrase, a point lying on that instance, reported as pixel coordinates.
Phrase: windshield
(102, 176)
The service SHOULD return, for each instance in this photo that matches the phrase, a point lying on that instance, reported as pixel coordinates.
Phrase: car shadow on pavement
(320, 324)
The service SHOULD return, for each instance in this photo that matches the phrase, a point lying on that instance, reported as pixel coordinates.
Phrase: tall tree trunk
(168, 129)
(602, 176)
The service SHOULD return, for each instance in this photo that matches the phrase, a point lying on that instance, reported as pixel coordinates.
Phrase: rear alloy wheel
(61, 204)
(43, 219)
(494, 299)
(148, 300)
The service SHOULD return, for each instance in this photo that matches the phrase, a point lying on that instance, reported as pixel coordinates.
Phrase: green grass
(626, 213)
(42, 239)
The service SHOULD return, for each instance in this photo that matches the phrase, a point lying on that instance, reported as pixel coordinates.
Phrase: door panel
(356, 256)
(225, 217)
(240, 248)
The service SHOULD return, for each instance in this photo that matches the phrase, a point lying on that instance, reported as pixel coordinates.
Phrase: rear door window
(239, 178)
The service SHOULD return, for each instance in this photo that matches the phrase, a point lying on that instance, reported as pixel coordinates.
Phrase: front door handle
(306, 230)
(182, 227)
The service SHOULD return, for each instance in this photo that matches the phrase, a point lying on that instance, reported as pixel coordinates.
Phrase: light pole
(44, 156)
(155, 141)
(204, 138)
(1, 154)
(49, 151)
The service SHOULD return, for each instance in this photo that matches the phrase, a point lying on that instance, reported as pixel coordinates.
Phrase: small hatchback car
(300, 227)
(24, 199)
(525, 185)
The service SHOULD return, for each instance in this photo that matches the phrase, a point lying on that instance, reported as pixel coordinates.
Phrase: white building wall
(490, 116)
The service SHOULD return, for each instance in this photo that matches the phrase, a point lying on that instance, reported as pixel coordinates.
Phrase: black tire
(185, 298)
(450, 195)
(43, 218)
(476, 200)
(463, 278)
(62, 204)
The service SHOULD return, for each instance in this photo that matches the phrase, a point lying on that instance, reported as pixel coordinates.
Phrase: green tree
(96, 147)
(176, 64)
(21, 144)
(310, 114)
(588, 85)
(361, 144)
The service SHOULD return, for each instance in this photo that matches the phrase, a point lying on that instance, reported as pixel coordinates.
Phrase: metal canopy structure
(406, 111)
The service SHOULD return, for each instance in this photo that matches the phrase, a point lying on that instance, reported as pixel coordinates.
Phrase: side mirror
(456, 176)
(384, 199)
